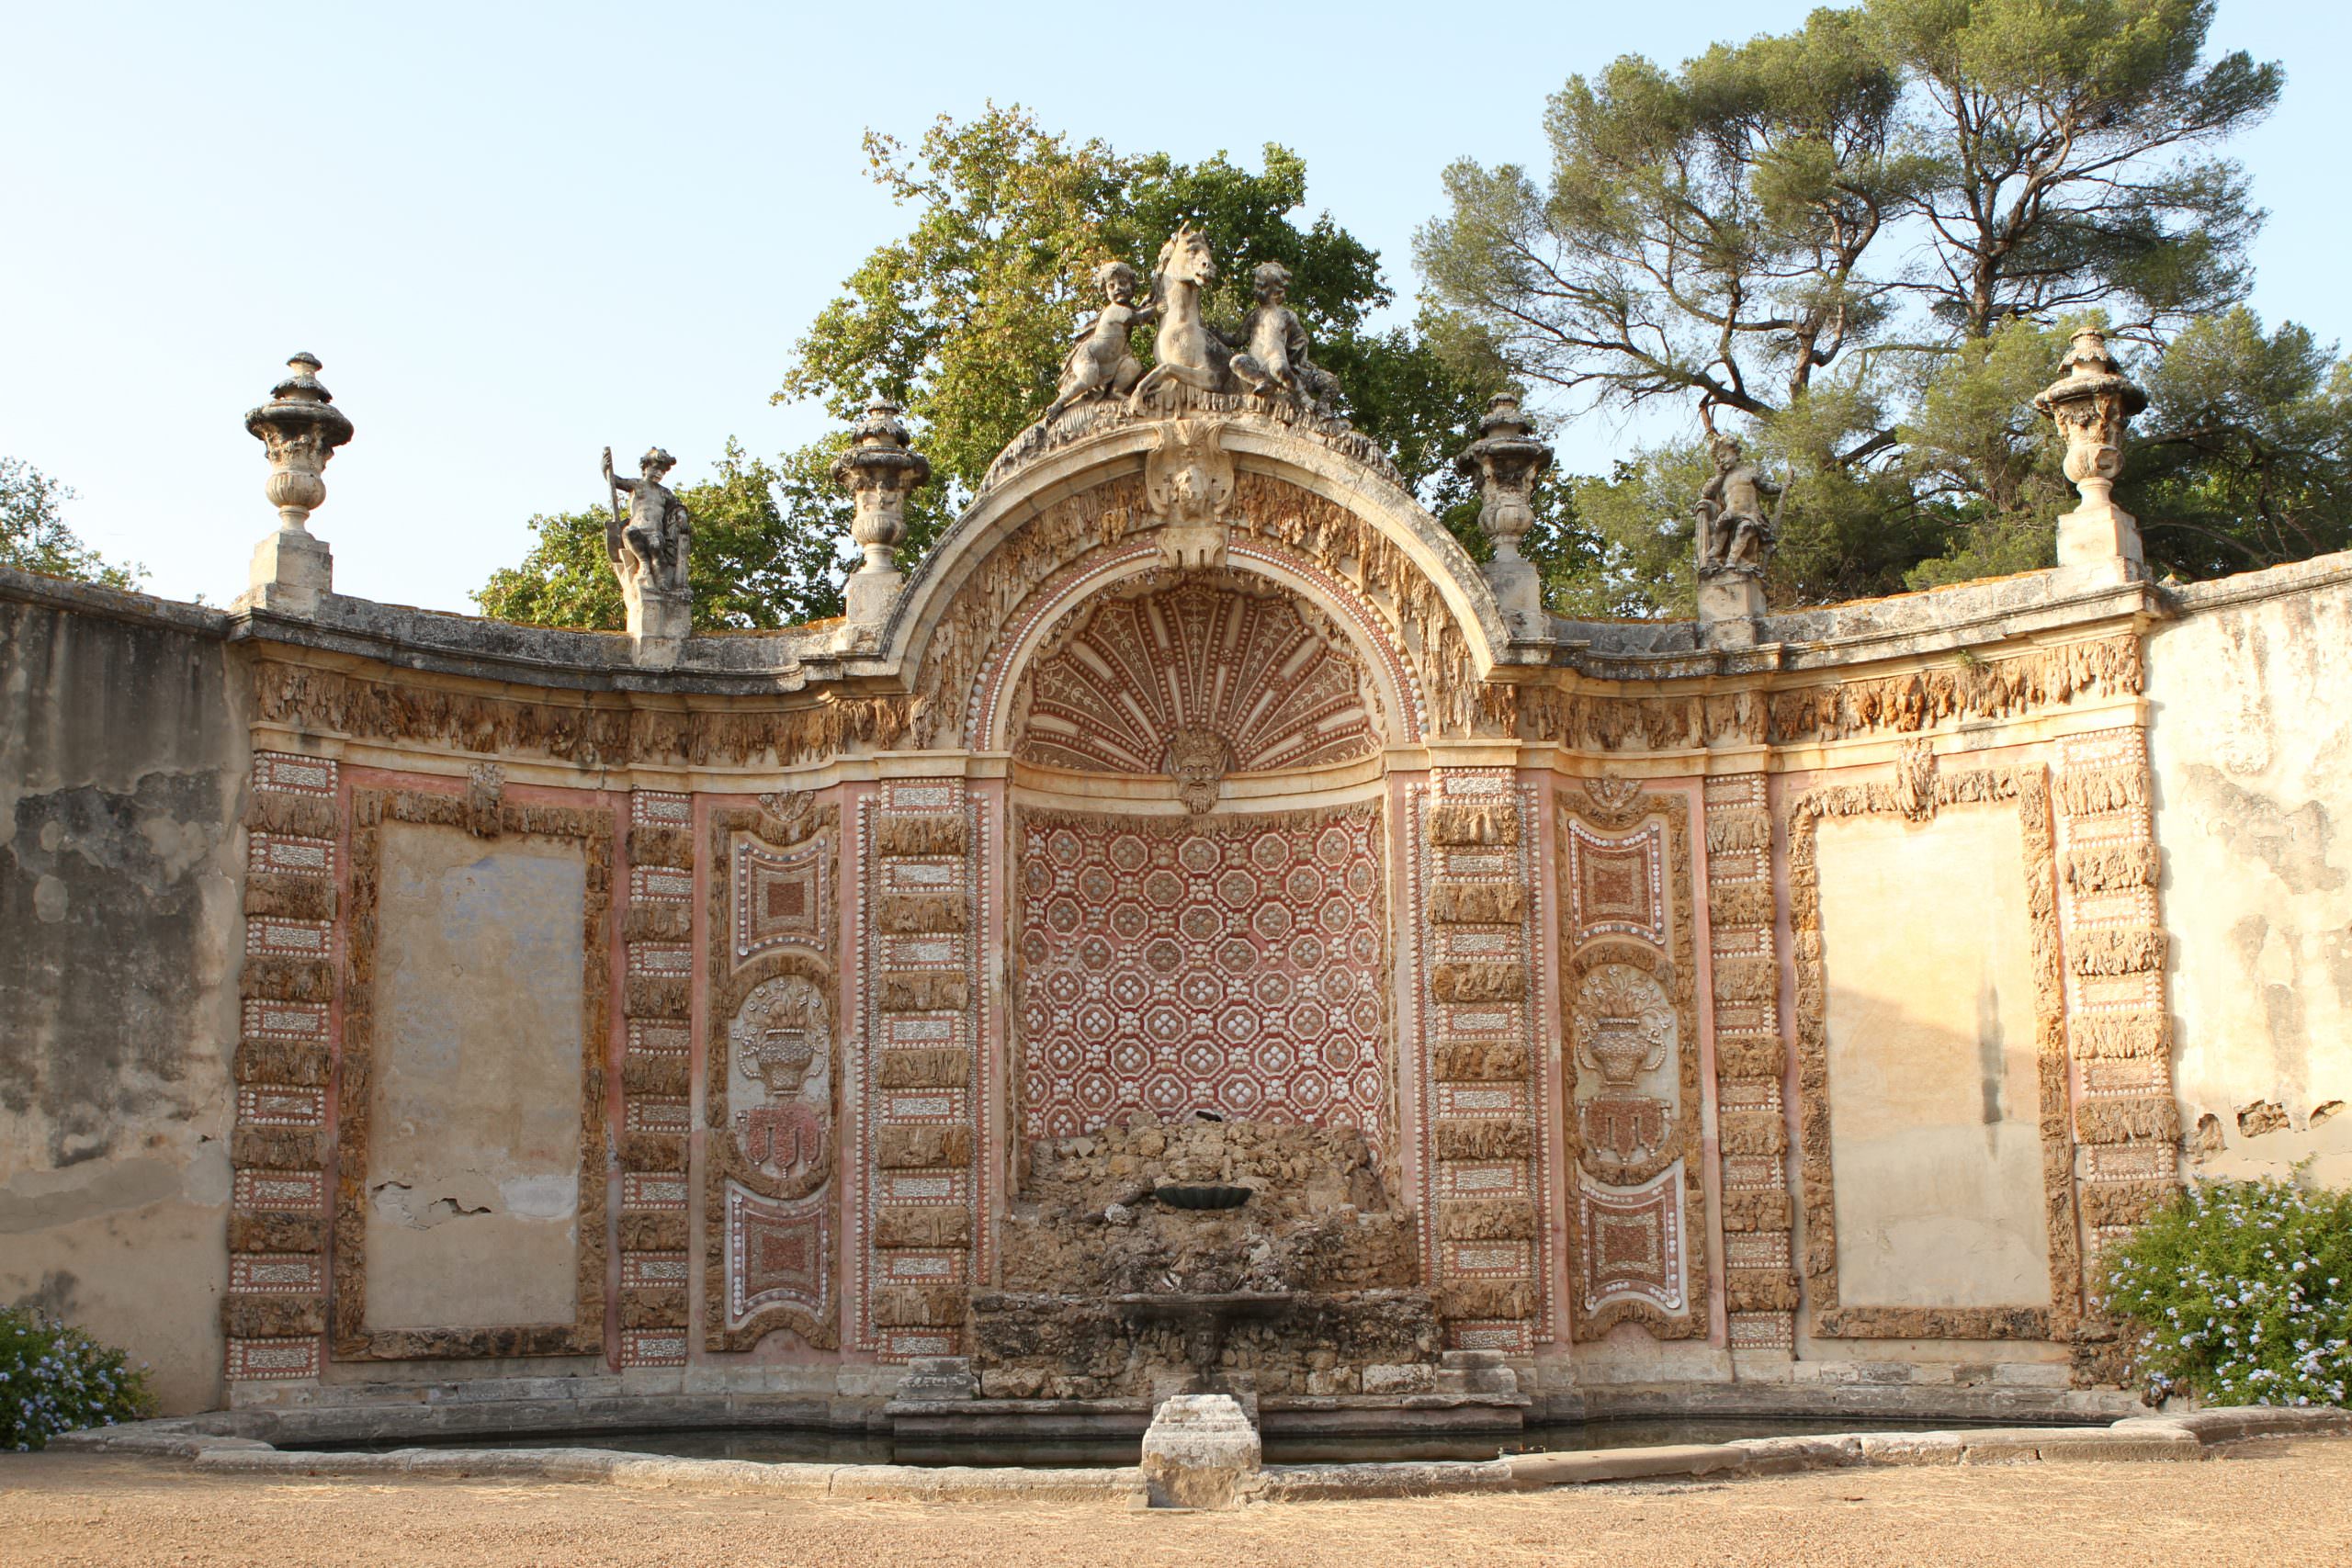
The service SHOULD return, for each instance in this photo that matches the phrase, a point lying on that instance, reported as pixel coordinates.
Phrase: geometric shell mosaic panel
(1230, 964)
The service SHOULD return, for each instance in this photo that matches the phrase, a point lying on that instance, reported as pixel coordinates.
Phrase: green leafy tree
(964, 322)
(34, 536)
(2067, 140)
(764, 553)
(2243, 459)
(1819, 237)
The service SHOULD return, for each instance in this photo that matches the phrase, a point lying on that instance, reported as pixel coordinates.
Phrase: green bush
(55, 1379)
(2239, 1292)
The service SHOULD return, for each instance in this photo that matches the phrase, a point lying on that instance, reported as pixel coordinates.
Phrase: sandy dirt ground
(2272, 1504)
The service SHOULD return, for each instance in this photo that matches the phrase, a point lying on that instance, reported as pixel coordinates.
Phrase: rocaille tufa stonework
(1198, 933)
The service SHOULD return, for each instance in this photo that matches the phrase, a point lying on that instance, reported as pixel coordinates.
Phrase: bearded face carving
(1197, 759)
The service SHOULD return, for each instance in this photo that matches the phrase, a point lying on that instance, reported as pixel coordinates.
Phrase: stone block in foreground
(1200, 1452)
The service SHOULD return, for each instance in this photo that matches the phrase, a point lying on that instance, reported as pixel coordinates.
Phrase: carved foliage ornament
(781, 1044)
(1624, 1033)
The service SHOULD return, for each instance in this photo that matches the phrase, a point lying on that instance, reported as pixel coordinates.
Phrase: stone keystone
(1200, 1452)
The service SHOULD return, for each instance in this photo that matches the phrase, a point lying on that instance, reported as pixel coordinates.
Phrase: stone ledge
(2186, 1437)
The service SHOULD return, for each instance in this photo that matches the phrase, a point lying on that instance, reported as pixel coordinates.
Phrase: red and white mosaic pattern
(969, 877)
(1615, 883)
(292, 775)
(1632, 1242)
(777, 1254)
(1247, 667)
(1440, 1024)
(1234, 965)
(781, 897)
(1739, 858)
(261, 1099)
(263, 1360)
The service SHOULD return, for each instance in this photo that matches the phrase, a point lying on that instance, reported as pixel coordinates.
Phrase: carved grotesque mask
(1197, 759)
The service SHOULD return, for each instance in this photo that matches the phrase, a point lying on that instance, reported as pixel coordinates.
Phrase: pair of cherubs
(1102, 363)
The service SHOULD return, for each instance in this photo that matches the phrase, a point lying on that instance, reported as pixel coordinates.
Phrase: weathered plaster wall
(2251, 743)
(1935, 1141)
(123, 766)
(473, 1181)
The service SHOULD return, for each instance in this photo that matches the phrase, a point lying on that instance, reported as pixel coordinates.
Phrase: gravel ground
(2274, 1503)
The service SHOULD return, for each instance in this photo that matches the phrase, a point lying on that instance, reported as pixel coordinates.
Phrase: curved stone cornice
(1256, 444)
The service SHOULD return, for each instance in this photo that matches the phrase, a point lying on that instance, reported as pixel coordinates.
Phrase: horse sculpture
(1187, 350)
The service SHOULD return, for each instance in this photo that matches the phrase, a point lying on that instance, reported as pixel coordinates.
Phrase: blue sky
(517, 234)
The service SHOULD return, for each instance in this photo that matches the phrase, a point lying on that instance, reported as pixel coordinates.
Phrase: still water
(781, 1444)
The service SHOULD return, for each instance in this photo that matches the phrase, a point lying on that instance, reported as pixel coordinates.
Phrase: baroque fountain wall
(1657, 1015)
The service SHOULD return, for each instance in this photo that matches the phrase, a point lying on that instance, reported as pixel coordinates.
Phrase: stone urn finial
(300, 428)
(879, 470)
(1507, 459)
(2092, 403)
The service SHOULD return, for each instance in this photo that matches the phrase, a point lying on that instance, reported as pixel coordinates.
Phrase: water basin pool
(775, 1445)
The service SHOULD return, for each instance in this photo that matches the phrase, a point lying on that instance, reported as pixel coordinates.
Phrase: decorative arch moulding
(988, 713)
(1280, 474)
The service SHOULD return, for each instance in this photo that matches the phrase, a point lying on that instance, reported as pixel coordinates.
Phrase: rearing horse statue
(1185, 347)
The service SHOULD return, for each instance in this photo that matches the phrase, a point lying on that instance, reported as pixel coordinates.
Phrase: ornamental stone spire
(879, 471)
(2092, 403)
(1507, 459)
(300, 428)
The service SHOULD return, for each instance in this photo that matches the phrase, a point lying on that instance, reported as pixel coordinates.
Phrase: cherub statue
(1099, 362)
(1735, 534)
(649, 549)
(1275, 357)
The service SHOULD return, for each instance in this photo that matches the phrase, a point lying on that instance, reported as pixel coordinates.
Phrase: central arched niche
(1200, 912)
(1148, 680)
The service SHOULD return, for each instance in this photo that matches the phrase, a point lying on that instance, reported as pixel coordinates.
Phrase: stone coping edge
(2190, 1436)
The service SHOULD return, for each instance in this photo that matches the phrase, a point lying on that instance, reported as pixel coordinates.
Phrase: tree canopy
(765, 554)
(1857, 244)
(34, 536)
(964, 320)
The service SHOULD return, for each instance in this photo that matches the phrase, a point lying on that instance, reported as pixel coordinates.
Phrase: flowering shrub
(54, 1379)
(2239, 1292)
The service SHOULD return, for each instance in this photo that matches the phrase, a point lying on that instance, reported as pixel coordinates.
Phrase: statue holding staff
(648, 548)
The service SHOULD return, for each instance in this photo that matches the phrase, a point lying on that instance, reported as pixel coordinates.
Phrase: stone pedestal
(1729, 604)
(659, 625)
(292, 570)
(879, 471)
(1475, 1372)
(870, 592)
(1507, 459)
(2099, 532)
(301, 428)
(1518, 593)
(2093, 404)
(1200, 1452)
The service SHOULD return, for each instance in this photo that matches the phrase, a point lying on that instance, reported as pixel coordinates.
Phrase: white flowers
(2222, 1286)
